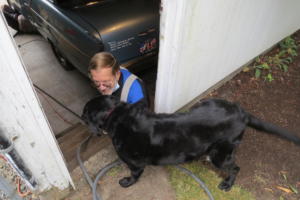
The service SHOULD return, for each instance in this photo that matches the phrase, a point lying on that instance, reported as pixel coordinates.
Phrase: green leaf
(288, 43)
(257, 73)
(281, 198)
(285, 68)
(265, 66)
(281, 53)
(284, 176)
(272, 59)
(294, 189)
(294, 53)
(257, 59)
(288, 59)
(246, 69)
(269, 77)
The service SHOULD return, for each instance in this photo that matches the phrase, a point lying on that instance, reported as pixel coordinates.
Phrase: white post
(22, 117)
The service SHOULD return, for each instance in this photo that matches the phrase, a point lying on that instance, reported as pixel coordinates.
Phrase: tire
(62, 59)
(12, 6)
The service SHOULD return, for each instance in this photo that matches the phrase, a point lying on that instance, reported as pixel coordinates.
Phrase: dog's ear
(141, 103)
(89, 116)
(113, 100)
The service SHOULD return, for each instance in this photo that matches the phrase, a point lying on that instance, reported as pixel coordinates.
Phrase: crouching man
(111, 79)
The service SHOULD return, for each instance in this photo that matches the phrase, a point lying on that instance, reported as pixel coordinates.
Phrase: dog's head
(96, 112)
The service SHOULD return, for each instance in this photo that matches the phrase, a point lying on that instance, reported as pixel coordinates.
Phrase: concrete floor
(71, 88)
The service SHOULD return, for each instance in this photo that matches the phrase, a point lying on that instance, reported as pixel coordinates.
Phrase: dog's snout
(95, 131)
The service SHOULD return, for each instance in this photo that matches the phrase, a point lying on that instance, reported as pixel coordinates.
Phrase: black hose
(89, 180)
(81, 165)
(202, 184)
(102, 173)
(105, 169)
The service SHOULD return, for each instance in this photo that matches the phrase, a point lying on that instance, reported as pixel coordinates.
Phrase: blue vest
(135, 92)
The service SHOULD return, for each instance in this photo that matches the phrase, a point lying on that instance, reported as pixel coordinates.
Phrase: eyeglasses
(106, 84)
(103, 82)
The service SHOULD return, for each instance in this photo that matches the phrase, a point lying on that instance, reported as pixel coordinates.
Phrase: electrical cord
(22, 194)
(17, 33)
(3, 158)
(104, 170)
(59, 103)
(56, 112)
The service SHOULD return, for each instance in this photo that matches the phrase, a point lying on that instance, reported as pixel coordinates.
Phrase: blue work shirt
(136, 91)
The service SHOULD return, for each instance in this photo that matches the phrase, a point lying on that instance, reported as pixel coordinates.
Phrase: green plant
(286, 183)
(287, 51)
(269, 77)
(259, 68)
(288, 43)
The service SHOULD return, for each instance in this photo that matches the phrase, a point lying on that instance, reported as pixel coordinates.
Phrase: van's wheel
(10, 4)
(61, 59)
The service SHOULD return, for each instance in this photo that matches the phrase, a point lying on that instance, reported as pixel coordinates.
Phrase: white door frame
(22, 117)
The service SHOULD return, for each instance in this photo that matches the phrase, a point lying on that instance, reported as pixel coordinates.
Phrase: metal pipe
(13, 158)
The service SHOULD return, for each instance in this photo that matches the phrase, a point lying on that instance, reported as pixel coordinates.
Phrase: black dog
(141, 137)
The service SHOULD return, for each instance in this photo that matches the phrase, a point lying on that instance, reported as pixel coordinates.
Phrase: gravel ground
(3, 196)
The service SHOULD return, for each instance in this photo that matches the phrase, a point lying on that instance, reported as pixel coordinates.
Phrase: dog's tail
(271, 128)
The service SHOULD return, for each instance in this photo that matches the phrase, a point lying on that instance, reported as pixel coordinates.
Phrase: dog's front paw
(127, 181)
(224, 185)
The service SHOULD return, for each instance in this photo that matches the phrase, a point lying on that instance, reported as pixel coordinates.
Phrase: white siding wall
(21, 116)
(203, 41)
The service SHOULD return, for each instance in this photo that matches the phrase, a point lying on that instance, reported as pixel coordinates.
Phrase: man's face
(104, 80)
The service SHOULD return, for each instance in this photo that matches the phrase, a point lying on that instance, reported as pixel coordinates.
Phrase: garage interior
(59, 90)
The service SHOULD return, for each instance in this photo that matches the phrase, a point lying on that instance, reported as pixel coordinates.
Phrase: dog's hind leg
(136, 172)
(222, 156)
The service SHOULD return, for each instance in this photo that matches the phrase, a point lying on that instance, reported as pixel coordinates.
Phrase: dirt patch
(266, 161)
(153, 184)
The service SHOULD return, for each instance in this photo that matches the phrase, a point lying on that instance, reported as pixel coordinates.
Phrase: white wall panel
(203, 41)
